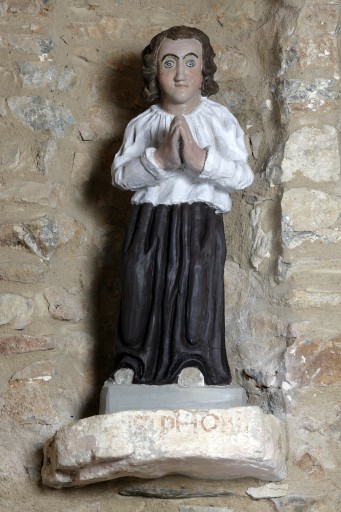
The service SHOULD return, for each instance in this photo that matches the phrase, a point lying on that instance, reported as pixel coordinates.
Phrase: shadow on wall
(121, 90)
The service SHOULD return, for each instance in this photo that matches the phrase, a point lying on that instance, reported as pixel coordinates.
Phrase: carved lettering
(167, 423)
(210, 422)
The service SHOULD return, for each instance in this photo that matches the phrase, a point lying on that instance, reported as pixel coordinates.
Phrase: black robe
(172, 304)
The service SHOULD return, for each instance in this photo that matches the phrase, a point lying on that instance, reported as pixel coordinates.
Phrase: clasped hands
(179, 149)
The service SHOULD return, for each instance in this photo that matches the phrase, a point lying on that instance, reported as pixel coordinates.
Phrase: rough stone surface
(313, 362)
(271, 490)
(28, 402)
(191, 508)
(311, 466)
(28, 43)
(15, 310)
(22, 6)
(262, 242)
(37, 74)
(44, 74)
(22, 272)
(312, 152)
(46, 155)
(297, 95)
(39, 370)
(41, 114)
(303, 502)
(19, 344)
(43, 194)
(309, 215)
(9, 159)
(213, 444)
(62, 305)
(81, 169)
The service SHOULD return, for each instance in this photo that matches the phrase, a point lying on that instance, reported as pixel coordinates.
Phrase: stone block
(44, 74)
(231, 62)
(312, 274)
(62, 305)
(89, 507)
(309, 215)
(28, 43)
(9, 158)
(313, 363)
(43, 194)
(41, 236)
(81, 169)
(29, 402)
(312, 152)
(37, 74)
(271, 490)
(304, 502)
(321, 95)
(46, 156)
(191, 508)
(210, 444)
(19, 344)
(39, 370)
(261, 241)
(20, 272)
(23, 6)
(307, 299)
(15, 310)
(41, 114)
(311, 466)
(108, 27)
(317, 37)
(67, 79)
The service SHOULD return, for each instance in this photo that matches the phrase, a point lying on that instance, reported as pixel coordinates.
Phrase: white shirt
(214, 128)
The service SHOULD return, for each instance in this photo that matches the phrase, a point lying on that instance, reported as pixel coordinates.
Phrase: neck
(180, 109)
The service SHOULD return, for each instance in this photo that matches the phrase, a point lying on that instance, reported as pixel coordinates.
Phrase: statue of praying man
(182, 157)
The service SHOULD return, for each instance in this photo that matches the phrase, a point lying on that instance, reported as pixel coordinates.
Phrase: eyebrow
(177, 57)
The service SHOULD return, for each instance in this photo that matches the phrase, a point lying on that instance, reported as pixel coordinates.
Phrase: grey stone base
(132, 397)
(203, 443)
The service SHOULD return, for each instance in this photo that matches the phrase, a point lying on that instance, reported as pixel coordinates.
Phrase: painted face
(179, 73)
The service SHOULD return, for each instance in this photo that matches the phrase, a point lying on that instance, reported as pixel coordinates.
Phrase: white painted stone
(209, 444)
(313, 152)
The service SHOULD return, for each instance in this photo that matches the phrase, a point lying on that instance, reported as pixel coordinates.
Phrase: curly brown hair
(152, 90)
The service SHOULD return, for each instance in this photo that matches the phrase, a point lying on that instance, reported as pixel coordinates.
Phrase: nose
(180, 74)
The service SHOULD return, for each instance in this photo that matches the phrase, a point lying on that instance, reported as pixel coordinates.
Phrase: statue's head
(152, 90)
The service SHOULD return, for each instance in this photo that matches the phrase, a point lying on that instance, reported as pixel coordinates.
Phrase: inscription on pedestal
(188, 422)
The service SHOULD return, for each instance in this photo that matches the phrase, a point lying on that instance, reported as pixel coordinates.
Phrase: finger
(178, 121)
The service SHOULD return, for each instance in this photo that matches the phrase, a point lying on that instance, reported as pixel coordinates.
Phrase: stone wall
(69, 84)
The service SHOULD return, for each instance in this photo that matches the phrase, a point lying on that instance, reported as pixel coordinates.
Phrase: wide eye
(168, 64)
(190, 63)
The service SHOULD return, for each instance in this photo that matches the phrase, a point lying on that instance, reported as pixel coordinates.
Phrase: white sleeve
(134, 165)
(226, 162)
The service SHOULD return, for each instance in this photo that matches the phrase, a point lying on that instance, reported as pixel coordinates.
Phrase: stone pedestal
(128, 397)
(200, 443)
